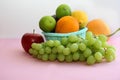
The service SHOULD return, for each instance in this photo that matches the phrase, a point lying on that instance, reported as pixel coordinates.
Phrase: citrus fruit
(81, 16)
(63, 10)
(98, 26)
(67, 24)
(47, 23)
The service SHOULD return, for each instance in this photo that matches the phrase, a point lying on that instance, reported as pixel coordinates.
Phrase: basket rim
(64, 34)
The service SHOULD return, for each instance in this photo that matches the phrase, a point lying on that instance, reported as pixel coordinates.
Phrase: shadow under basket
(58, 36)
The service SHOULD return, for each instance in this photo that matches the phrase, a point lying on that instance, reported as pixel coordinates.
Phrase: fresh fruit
(82, 57)
(66, 51)
(44, 57)
(57, 43)
(76, 56)
(78, 50)
(73, 38)
(82, 46)
(60, 49)
(61, 57)
(97, 44)
(67, 24)
(68, 58)
(29, 38)
(63, 10)
(48, 50)
(50, 43)
(54, 50)
(98, 56)
(98, 26)
(91, 60)
(52, 57)
(91, 49)
(81, 16)
(47, 23)
(74, 47)
(87, 52)
(64, 41)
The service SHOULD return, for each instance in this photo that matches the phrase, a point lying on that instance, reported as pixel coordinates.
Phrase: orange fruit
(67, 24)
(98, 26)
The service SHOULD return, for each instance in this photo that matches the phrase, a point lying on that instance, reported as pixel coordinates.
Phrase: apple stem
(33, 31)
(113, 32)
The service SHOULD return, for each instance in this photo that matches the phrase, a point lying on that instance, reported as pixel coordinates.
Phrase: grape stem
(33, 31)
(113, 33)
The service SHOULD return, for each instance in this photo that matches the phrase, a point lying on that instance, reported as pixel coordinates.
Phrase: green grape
(39, 46)
(60, 57)
(36, 46)
(43, 44)
(98, 56)
(110, 54)
(74, 47)
(52, 57)
(39, 56)
(41, 51)
(81, 57)
(73, 38)
(91, 60)
(50, 43)
(54, 50)
(64, 41)
(112, 47)
(76, 56)
(91, 41)
(33, 45)
(102, 51)
(114, 56)
(82, 46)
(45, 57)
(104, 44)
(85, 42)
(97, 44)
(57, 43)
(68, 58)
(109, 58)
(102, 37)
(35, 53)
(60, 48)
(89, 35)
(31, 50)
(109, 51)
(68, 45)
(87, 52)
(66, 51)
(47, 50)
(79, 39)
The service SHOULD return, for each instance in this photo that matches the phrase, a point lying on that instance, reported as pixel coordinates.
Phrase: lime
(47, 23)
(63, 10)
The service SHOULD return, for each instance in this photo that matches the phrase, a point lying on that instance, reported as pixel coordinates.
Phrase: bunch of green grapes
(93, 49)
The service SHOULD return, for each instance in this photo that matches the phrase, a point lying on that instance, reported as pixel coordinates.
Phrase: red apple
(29, 38)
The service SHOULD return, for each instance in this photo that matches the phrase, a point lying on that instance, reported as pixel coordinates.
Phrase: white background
(20, 16)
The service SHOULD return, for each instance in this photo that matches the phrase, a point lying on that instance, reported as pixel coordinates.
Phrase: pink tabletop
(15, 64)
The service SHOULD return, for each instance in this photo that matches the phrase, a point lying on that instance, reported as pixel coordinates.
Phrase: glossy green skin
(63, 10)
(47, 23)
